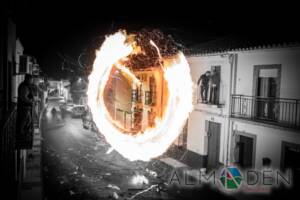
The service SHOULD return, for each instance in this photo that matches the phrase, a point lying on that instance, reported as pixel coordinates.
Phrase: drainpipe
(232, 85)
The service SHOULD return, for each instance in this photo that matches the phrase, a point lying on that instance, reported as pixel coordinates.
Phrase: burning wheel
(140, 93)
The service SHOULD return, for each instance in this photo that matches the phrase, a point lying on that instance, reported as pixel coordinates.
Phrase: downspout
(232, 87)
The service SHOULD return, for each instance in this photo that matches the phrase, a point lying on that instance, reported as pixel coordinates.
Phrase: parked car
(78, 110)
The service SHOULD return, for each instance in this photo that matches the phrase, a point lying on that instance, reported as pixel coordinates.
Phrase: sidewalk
(32, 185)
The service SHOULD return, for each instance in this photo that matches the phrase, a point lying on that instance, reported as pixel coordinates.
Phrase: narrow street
(204, 98)
(76, 164)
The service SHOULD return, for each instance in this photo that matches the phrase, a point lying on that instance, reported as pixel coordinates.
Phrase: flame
(153, 141)
(139, 180)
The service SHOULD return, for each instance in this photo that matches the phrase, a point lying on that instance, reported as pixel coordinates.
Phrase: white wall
(196, 133)
(19, 52)
(16, 81)
(200, 64)
(289, 59)
(268, 141)
(196, 137)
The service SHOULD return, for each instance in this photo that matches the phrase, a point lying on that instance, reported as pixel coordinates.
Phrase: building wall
(123, 94)
(7, 113)
(19, 52)
(122, 100)
(289, 59)
(238, 69)
(17, 78)
(197, 137)
(7, 61)
(197, 140)
(16, 81)
(268, 140)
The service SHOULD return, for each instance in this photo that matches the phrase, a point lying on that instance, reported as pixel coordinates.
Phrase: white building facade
(256, 120)
(265, 120)
(208, 122)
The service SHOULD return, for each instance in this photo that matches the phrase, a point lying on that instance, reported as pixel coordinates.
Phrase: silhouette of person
(203, 83)
(24, 132)
(214, 83)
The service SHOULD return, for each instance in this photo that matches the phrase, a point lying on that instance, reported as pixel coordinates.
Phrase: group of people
(208, 87)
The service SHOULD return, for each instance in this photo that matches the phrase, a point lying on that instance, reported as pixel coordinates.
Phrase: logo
(231, 178)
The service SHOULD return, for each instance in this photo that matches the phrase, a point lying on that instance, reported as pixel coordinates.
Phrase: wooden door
(246, 151)
(213, 145)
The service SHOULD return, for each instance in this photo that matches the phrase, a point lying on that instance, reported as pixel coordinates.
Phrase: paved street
(76, 164)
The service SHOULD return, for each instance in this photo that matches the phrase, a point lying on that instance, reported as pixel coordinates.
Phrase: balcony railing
(279, 111)
(7, 150)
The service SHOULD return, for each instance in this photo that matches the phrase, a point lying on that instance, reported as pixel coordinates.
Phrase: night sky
(47, 28)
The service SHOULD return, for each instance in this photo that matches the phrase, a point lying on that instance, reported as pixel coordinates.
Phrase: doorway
(245, 150)
(290, 159)
(213, 133)
(266, 89)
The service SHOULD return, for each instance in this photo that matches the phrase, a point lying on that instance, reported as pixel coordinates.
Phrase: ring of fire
(148, 141)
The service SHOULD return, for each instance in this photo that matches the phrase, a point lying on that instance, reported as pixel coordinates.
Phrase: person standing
(25, 128)
(203, 83)
(24, 124)
(214, 83)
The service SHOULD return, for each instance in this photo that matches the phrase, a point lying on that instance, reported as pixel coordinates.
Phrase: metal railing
(279, 111)
(7, 136)
(10, 159)
(7, 154)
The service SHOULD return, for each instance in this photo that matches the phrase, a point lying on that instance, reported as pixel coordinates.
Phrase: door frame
(283, 145)
(256, 75)
(250, 135)
(219, 139)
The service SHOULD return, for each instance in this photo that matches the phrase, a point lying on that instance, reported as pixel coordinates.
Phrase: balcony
(278, 111)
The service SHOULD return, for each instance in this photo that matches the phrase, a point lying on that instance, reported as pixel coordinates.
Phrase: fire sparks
(147, 127)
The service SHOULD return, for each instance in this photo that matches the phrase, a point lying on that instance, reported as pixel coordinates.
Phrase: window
(152, 83)
(134, 95)
(148, 98)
